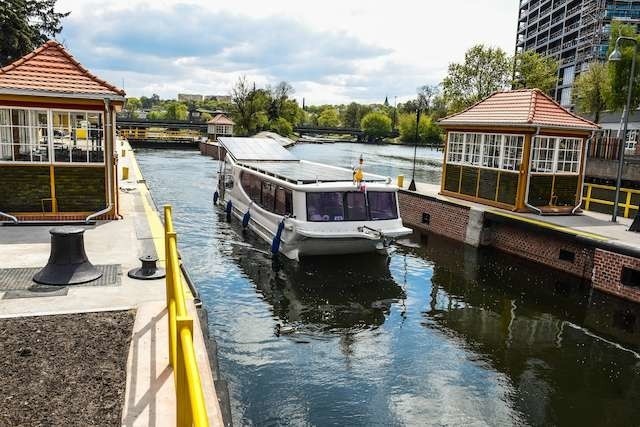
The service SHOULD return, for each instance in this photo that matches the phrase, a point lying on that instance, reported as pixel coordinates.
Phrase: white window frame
(462, 154)
(50, 137)
(555, 157)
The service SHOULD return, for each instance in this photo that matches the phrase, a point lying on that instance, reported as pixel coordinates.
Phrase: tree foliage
(329, 117)
(533, 70)
(484, 71)
(176, 111)
(428, 131)
(620, 71)
(281, 126)
(376, 124)
(591, 90)
(132, 105)
(26, 24)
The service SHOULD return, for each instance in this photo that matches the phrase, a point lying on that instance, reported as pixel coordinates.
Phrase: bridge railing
(190, 404)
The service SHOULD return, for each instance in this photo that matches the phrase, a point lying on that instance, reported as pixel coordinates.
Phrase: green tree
(205, 117)
(242, 97)
(177, 111)
(352, 114)
(26, 24)
(592, 89)
(428, 131)
(484, 71)
(329, 118)
(156, 115)
(535, 71)
(281, 126)
(376, 125)
(132, 105)
(620, 71)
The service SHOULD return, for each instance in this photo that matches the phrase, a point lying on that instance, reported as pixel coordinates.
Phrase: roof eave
(518, 125)
(71, 95)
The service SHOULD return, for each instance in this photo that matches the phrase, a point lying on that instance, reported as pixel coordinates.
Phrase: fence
(599, 198)
(190, 401)
(606, 148)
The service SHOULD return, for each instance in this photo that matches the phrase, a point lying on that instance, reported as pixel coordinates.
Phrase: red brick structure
(543, 248)
(446, 219)
(607, 273)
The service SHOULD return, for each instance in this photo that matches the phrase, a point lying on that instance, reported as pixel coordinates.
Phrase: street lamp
(616, 56)
(412, 186)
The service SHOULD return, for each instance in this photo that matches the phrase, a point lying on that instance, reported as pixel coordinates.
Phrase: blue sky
(330, 51)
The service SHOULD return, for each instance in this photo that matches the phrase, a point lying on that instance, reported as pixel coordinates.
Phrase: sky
(330, 51)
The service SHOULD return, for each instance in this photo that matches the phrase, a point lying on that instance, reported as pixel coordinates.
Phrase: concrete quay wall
(601, 262)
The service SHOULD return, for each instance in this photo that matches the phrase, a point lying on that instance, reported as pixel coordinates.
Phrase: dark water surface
(434, 334)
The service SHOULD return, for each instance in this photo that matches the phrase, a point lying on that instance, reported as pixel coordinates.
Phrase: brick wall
(607, 270)
(23, 188)
(447, 219)
(541, 247)
(211, 150)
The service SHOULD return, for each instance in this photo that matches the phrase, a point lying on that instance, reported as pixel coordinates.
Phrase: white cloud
(331, 51)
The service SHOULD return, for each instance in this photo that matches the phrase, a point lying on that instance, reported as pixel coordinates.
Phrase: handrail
(190, 404)
(625, 203)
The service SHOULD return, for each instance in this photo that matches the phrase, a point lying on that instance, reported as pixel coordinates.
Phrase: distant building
(575, 32)
(218, 98)
(219, 125)
(186, 97)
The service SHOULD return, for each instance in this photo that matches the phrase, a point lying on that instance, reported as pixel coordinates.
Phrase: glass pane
(62, 141)
(283, 201)
(382, 205)
(355, 206)
(327, 206)
(268, 195)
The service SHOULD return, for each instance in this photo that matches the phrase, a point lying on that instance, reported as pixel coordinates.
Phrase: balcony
(572, 27)
(568, 60)
(570, 44)
(544, 26)
(555, 35)
(573, 10)
(542, 41)
(553, 50)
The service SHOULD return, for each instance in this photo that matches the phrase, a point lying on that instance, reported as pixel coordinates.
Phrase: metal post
(412, 185)
(623, 141)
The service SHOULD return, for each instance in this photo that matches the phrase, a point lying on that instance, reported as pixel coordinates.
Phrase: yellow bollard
(400, 181)
(125, 173)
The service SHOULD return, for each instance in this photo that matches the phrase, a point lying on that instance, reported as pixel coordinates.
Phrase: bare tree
(242, 95)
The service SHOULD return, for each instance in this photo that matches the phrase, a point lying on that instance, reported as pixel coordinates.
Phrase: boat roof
(255, 149)
(303, 172)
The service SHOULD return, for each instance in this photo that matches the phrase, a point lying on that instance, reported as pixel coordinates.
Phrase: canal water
(435, 333)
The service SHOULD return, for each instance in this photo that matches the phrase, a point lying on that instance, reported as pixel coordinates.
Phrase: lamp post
(616, 56)
(412, 186)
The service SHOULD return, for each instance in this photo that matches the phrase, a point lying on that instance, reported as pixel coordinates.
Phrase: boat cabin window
(382, 205)
(351, 206)
(267, 194)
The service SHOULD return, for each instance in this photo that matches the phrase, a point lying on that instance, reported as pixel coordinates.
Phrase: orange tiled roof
(221, 119)
(523, 107)
(51, 70)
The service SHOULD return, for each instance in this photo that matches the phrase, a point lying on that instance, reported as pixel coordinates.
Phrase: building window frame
(99, 130)
(552, 158)
(492, 152)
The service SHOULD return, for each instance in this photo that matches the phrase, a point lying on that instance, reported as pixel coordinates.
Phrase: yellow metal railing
(625, 204)
(190, 401)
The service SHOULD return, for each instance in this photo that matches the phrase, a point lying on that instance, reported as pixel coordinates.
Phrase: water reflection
(434, 334)
(320, 294)
(558, 342)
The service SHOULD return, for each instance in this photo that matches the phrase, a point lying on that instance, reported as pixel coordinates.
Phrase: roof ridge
(557, 104)
(532, 105)
(60, 48)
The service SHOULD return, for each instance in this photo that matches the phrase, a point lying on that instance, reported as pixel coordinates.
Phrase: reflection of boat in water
(322, 293)
(307, 208)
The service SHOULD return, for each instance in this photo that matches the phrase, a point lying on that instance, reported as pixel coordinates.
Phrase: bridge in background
(142, 131)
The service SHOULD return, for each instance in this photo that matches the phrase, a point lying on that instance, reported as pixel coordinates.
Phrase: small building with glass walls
(57, 133)
(517, 150)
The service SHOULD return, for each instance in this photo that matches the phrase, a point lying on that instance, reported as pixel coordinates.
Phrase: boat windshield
(330, 206)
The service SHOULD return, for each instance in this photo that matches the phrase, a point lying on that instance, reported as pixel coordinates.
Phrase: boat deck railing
(190, 403)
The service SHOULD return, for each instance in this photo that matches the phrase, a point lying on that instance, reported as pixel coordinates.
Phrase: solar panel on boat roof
(258, 149)
(306, 172)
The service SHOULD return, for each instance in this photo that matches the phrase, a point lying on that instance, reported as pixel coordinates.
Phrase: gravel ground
(64, 370)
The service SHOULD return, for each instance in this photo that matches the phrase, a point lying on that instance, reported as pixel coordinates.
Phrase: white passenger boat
(305, 208)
